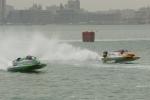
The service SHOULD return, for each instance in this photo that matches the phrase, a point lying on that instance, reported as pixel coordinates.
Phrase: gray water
(74, 71)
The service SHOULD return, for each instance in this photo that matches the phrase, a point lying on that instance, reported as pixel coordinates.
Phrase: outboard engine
(105, 53)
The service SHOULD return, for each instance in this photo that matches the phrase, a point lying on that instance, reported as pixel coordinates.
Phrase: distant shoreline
(63, 24)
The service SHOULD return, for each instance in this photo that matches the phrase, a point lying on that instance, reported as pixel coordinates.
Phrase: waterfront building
(2, 11)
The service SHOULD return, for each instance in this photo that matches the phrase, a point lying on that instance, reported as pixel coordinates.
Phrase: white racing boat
(119, 56)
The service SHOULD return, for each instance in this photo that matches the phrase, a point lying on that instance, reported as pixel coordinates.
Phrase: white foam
(61, 51)
(53, 50)
(50, 49)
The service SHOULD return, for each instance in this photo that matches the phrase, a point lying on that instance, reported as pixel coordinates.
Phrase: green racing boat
(27, 64)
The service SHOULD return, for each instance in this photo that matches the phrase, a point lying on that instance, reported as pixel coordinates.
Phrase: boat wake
(50, 50)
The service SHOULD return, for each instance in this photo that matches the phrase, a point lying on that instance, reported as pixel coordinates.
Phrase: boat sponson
(26, 68)
(121, 59)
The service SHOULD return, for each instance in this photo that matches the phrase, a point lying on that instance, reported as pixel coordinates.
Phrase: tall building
(2, 11)
(73, 5)
(78, 4)
(36, 7)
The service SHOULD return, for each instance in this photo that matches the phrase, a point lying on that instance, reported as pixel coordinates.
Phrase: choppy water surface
(74, 71)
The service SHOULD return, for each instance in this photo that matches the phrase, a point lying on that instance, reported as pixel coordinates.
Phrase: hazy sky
(91, 5)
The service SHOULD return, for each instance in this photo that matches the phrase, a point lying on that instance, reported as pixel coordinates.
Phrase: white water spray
(51, 50)
(55, 50)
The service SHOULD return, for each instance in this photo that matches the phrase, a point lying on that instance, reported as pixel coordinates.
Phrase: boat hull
(119, 59)
(26, 68)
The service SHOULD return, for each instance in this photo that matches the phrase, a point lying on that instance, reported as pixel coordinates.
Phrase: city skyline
(98, 4)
